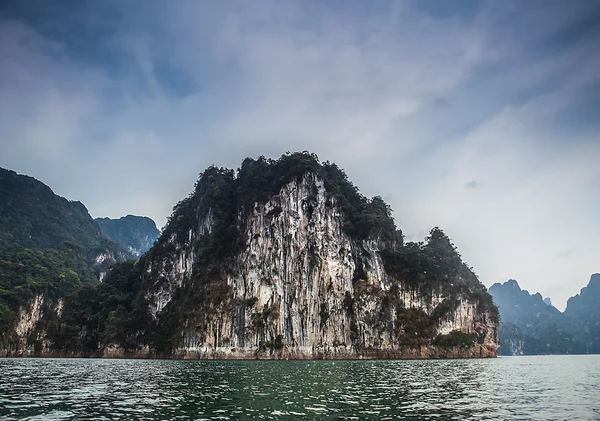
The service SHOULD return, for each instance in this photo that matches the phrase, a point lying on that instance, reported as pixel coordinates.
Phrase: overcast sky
(482, 118)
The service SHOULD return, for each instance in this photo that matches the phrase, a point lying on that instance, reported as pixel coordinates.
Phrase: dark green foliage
(124, 312)
(414, 327)
(399, 239)
(436, 266)
(32, 216)
(349, 303)
(25, 273)
(261, 324)
(455, 339)
(278, 343)
(214, 193)
(445, 308)
(194, 305)
(78, 327)
(434, 262)
(251, 302)
(259, 180)
(485, 304)
(324, 314)
(48, 246)
(272, 345)
(112, 312)
(359, 272)
(261, 319)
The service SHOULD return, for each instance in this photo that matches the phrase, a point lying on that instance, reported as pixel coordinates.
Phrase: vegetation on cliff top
(436, 266)
(228, 193)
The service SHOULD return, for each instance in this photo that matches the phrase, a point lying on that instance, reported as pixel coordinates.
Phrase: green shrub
(455, 339)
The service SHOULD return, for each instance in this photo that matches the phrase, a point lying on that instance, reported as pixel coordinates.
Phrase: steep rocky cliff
(284, 259)
(135, 233)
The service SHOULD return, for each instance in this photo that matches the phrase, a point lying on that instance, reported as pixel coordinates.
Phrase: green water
(511, 388)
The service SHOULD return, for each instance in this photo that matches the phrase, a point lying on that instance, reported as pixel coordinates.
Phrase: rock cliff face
(283, 259)
(300, 286)
(135, 233)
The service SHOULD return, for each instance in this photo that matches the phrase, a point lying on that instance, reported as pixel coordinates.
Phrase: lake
(519, 388)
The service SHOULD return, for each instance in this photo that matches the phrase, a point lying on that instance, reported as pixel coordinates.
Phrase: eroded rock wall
(296, 291)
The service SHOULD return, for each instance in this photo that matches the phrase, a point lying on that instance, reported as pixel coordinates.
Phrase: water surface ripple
(511, 388)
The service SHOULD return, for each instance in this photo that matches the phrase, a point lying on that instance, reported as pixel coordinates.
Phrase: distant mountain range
(136, 233)
(530, 325)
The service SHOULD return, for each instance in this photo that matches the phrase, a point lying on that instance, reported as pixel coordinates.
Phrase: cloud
(121, 107)
(441, 102)
(473, 184)
(564, 254)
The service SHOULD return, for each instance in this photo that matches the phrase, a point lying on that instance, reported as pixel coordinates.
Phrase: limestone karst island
(300, 210)
(277, 259)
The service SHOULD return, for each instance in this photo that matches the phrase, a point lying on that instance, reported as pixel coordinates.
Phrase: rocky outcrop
(134, 233)
(283, 259)
(300, 287)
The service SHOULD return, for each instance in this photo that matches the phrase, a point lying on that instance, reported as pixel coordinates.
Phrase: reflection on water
(520, 388)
